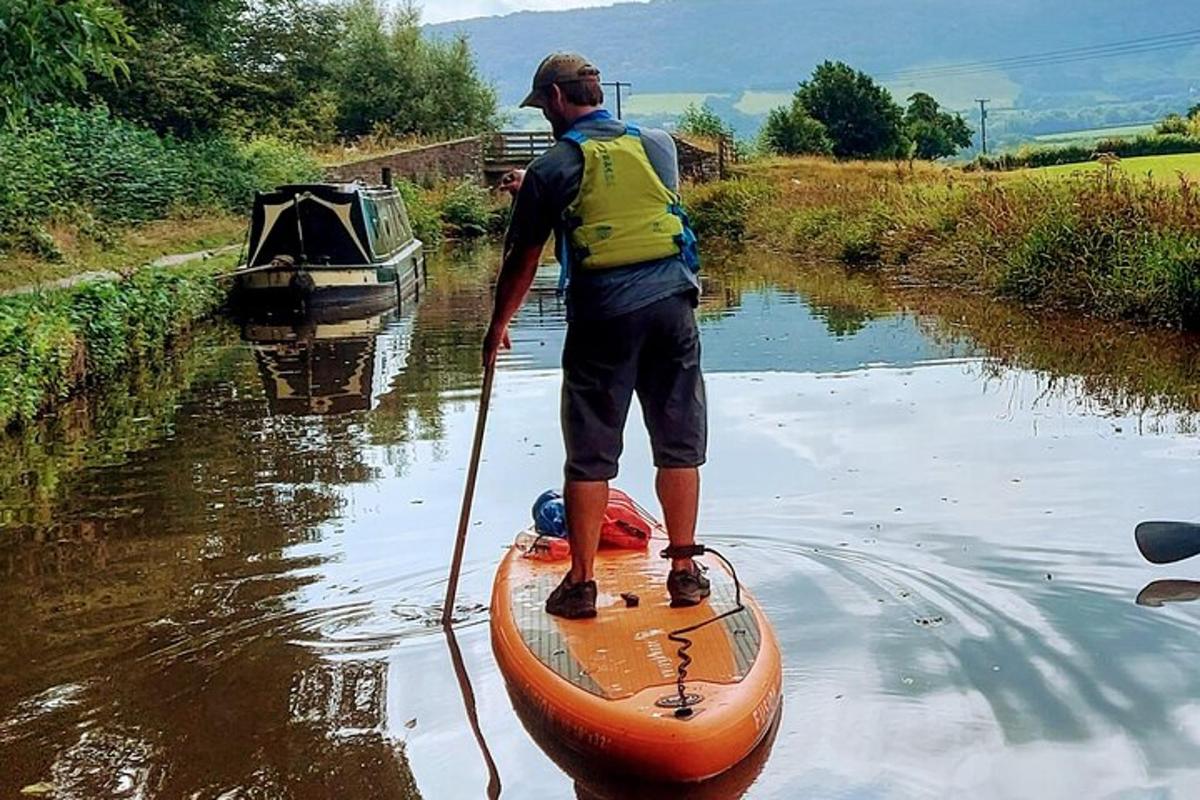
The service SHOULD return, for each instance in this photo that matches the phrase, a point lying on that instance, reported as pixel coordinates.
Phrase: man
(608, 192)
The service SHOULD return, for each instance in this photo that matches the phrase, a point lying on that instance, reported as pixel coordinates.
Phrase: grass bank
(1111, 246)
(53, 343)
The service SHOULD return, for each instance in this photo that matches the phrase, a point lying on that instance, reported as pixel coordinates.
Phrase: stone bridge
(487, 157)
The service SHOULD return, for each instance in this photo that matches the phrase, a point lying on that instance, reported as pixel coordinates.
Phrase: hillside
(727, 47)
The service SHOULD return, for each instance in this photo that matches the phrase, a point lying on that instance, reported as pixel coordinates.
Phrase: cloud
(434, 11)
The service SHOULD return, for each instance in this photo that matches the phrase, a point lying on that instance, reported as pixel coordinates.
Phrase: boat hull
(310, 288)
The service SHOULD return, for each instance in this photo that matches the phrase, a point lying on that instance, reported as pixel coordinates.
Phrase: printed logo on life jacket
(607, 168)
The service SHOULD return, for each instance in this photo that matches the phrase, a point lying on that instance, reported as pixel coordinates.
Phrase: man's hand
(511, 182)
(495, 341)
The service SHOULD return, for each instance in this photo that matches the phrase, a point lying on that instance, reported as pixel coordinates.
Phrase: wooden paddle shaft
(464, 518)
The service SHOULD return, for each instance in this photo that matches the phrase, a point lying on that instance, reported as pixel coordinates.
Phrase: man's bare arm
(516, 276)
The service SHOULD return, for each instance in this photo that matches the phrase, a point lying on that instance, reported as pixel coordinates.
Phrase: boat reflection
(594, 782)
(333, 361)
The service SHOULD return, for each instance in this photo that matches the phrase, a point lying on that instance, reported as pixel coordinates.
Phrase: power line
(1149, 40)
(1130, 47)
(932, 73)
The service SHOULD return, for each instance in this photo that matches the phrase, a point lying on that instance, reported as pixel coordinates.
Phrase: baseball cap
(558, 68)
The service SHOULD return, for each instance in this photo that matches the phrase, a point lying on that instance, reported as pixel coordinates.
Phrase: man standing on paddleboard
(609, 193)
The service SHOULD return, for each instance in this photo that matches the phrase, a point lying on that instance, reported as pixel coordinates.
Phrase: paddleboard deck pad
(607, 687)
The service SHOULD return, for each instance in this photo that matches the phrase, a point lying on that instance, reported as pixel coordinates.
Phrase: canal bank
(1106, 244)
(53, 343)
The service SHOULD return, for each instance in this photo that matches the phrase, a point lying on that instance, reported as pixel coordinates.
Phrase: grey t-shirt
(552, 183)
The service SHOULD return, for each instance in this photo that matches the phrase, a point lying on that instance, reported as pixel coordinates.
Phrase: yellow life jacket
(624, 214)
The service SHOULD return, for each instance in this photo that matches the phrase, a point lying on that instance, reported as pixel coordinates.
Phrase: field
(661, 103)
(1160, 168)
(1094, 134)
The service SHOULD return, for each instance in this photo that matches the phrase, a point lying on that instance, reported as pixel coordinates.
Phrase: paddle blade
(1167, 542)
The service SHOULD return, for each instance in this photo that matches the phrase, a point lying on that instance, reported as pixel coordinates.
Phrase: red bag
(625, 525)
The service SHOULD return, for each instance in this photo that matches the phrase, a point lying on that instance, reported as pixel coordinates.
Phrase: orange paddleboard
(607, 687)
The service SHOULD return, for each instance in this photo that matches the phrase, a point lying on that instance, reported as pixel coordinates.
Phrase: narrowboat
(315, 245)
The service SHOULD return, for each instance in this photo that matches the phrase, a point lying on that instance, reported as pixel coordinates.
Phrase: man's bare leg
(679, 492)
(586, 502)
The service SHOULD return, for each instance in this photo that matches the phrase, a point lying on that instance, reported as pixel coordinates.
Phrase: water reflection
(221, 581)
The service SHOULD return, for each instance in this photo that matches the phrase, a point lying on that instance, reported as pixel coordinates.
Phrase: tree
(934, 133)
(790, 131)
(1194, 112)
(700, 120)
(859, 116)
(1172, 124)
(389, 79)
(48, 51)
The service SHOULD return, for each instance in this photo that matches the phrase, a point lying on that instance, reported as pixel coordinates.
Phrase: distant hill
(727, 47)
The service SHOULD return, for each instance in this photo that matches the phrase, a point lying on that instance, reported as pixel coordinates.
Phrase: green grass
(1160, 168)
(1095, 134)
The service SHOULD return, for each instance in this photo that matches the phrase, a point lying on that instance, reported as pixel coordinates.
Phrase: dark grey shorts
(654, 351)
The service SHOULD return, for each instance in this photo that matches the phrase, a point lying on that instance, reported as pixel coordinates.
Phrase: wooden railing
(506, 147)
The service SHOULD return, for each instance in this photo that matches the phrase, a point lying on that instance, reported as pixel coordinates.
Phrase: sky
(433, 11)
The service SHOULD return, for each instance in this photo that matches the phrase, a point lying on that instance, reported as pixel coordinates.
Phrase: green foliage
(1172, 124)
(1194, 112)
(934, 133)
(390, 80)
(790, 131)
(723, 208)
(859, 116)
(701, 120)
(1033, 157)
(52, 343)
(48, 49)
(1111, 246)
(303, 70)
(422, 213)
(466, 210)
(86, 166)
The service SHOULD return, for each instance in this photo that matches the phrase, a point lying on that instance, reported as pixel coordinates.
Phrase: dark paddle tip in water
(1167, 542)
(1159, 593)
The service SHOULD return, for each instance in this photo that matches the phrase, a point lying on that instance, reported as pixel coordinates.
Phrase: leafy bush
(422, 213)
(51, 343)
(700, 120)
(1172, 124)
(723, 208)
(74, 164)
(790, 131)
(466, 210)
(1033, 157)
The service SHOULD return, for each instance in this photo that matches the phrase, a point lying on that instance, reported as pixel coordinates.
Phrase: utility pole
(618, 85)
(983, 117)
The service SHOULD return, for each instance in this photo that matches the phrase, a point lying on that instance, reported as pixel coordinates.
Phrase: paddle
(1167, 542)
(464, 517)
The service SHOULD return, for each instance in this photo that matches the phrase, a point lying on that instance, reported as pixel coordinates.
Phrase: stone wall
(461, 158)
(702, 161)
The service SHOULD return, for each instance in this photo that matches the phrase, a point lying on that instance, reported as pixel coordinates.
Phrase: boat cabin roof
(334, 224)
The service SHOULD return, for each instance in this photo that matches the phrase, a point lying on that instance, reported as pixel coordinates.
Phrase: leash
(683, 701)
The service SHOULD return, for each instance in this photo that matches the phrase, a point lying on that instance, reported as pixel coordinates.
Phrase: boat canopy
(328, 224)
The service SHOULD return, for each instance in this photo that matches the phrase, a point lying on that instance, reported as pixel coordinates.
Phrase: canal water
(221, 579)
